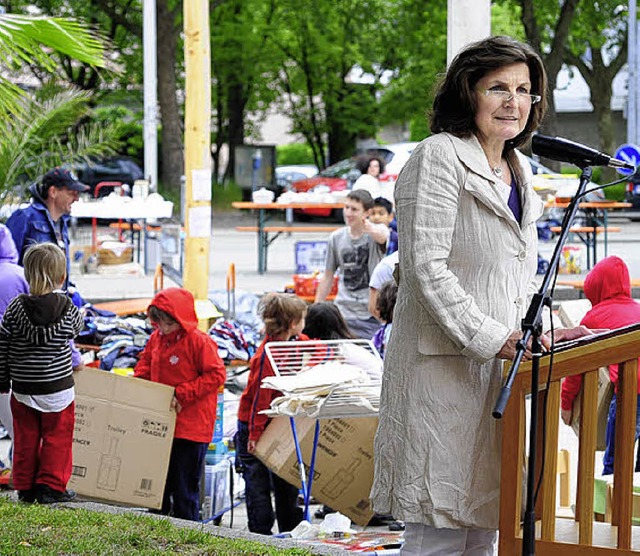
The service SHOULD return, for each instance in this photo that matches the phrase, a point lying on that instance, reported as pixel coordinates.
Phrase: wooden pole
(197, 141)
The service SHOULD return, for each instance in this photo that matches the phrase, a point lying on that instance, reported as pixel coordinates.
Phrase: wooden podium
(582, 535)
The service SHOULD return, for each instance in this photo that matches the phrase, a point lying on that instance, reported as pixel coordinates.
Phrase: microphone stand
(532, 330)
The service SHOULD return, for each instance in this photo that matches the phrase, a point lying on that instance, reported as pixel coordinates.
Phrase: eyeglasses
(506, 96)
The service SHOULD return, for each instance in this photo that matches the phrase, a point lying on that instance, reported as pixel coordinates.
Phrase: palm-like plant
(45, 133)
(50, 126)
(29, 40)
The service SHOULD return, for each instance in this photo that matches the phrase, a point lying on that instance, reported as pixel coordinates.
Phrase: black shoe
(396, 525)
(47, 495)
(27, 496)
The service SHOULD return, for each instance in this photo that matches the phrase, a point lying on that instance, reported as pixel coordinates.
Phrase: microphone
(565, 150)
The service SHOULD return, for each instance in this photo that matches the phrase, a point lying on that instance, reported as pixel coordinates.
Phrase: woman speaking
(466, 213)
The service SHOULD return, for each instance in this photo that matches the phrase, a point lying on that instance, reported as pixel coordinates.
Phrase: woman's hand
(508, 350)
(568, 334)
(175, 404)
(566, 415)
(251, 446)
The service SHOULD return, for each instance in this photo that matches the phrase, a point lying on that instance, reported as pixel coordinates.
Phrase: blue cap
(61, 177)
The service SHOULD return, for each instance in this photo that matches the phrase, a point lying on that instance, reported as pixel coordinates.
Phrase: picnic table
(266, 234)
(594, 220)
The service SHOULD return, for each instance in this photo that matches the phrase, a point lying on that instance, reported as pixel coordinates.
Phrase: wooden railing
(581, 535)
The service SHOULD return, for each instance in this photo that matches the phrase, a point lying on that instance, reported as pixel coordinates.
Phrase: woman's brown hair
(455, 103)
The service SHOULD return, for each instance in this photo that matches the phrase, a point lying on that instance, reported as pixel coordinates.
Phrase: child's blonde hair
(279, 311)
(45, 268)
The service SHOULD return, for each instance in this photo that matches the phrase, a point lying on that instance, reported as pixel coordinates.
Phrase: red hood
(607, 280)
(179, 303)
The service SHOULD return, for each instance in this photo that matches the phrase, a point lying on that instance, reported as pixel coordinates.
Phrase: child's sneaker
(27, 496)
(47, 495)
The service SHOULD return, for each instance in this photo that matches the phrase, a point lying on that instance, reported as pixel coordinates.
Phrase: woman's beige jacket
(466, 274)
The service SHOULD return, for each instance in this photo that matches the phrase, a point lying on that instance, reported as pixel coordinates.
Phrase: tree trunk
(554, 57)
(235, 107)
(172, 148)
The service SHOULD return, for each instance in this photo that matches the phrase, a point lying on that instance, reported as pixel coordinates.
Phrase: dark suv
(118, 168)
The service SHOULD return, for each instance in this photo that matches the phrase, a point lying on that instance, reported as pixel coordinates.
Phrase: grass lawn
(35, 529)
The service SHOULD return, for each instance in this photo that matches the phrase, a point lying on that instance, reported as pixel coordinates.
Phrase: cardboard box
(122, 438)
(343, 472)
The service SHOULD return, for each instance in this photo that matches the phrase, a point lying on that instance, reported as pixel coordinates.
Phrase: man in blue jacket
(46, 219)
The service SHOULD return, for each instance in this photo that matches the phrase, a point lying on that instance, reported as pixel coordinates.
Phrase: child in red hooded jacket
(283, 317)
(608, 287)
(180, 355)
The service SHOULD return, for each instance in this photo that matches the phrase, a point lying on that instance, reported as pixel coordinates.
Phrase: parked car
(342, 175)
(117, 168)
(286, 175)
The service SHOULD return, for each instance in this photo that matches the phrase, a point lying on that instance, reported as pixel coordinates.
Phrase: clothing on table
(188, 360)
(608, 287)
(447, 329)
(356, 259)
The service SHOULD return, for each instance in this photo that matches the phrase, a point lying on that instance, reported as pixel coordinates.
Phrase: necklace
(497, 171)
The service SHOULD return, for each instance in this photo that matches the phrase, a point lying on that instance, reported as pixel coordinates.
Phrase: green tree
(325, 44)
(598, 48)
(548, 25)
(415, 42)
(243, 58)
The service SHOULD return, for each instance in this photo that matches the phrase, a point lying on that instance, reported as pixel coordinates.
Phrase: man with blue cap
(46, 219)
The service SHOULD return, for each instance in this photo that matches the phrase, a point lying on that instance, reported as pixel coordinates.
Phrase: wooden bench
(288, 229)
(587, 229)
(588, 235)
(579, 284)
(268, 234)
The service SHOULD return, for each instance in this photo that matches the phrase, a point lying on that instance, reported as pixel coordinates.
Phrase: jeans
(610, 435)
(259, 482)
(182, 490)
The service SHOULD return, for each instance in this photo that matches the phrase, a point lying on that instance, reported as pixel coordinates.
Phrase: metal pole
(197, 143)
(149, 34)
(632, 69)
